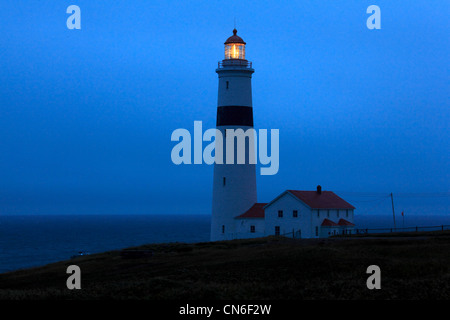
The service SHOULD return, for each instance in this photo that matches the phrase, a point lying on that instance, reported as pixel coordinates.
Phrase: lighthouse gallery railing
(235, 62)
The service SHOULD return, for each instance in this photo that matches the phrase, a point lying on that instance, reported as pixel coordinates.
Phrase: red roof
(256, 211)
(328, 223)
(343, 222)
(322, 200)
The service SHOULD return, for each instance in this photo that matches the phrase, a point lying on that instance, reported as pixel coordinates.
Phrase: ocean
(35, 240)
(29, 241)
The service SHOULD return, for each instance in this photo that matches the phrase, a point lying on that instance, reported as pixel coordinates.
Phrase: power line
(400, 194)
(423, 195)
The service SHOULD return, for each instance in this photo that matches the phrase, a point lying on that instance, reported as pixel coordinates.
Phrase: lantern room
(234, 47)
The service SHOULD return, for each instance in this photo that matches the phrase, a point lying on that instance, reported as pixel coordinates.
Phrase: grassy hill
(266, 268)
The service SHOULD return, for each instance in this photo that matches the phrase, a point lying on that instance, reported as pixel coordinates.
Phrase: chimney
(319, 189)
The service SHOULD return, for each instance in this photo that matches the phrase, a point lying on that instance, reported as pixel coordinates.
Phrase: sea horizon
(35, 240)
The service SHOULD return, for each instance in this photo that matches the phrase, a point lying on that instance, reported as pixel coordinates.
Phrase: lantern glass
(235, 51)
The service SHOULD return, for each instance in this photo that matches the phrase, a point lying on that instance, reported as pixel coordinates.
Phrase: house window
(295, 213)
(337, 213)
(224, 181)
(228, 84)
(318, 213)
(252, 229)
(223, 228)
(328, 213)
(277, 230)
(346, 213)
(280, 213)
(317, 231)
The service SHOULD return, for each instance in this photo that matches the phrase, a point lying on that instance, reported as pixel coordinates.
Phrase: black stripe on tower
(234, 116)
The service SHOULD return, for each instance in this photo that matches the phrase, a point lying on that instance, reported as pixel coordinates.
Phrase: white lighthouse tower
(234, 185)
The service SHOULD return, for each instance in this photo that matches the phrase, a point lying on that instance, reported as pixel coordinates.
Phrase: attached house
(306, 214)
(251, 224)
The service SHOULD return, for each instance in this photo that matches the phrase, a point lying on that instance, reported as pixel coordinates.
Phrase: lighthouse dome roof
(234, 38)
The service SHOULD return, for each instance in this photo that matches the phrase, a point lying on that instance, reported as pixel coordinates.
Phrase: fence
(298, 234)
(408, 229)
(294, 234)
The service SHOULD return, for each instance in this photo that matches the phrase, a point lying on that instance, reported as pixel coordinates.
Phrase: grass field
(412, 267)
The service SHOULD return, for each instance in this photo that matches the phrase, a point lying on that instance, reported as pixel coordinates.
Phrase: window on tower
(224, 181)
(223, 228)
(252, 229)
(228, 82)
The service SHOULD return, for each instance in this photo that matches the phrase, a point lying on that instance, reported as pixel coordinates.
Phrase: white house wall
(243, 228)
(326, 232)
(288, 223)
(332, 214)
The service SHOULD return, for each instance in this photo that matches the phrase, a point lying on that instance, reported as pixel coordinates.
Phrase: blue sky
(86, 115)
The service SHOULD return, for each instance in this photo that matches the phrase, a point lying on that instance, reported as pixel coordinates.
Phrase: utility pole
(393, 211)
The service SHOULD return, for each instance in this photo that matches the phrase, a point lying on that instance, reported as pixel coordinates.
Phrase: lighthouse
(234, 184)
